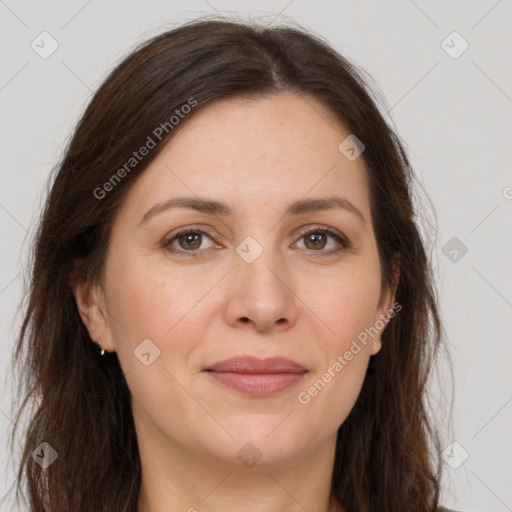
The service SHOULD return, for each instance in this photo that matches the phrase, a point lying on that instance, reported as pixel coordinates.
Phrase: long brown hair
(387, 454)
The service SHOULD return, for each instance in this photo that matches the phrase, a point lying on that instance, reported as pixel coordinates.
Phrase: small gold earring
(102, 350)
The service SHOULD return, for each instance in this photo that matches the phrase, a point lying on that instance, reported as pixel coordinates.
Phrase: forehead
(254, 154)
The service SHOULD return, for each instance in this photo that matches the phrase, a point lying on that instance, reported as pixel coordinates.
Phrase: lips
(257, 377)
(250, 364)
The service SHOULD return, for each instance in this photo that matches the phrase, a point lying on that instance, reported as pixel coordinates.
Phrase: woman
(231, 305)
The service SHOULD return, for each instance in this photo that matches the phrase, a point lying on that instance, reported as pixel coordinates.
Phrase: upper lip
(250, 364)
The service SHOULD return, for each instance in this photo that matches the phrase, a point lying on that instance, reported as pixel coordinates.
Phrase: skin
(257, 155)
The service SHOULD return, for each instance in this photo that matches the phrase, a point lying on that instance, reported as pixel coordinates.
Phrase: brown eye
(186, 241)
(190, 241)
(316, 240)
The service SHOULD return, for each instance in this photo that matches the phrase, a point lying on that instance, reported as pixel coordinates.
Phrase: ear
(92, 309)
(387, 308)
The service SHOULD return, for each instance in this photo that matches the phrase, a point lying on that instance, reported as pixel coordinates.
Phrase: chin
(264, 443)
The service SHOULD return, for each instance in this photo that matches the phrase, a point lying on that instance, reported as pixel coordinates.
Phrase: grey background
(453, 113)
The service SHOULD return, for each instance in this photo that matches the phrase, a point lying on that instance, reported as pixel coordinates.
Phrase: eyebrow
(213, 207)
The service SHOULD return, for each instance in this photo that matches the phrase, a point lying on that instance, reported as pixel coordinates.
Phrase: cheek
(150, 301)
(331, 395)
(333, 387)
(346, 303)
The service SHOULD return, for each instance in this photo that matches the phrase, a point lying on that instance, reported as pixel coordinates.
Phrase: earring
(99, 345)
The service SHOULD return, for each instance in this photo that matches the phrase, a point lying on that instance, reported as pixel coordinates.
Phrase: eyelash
(341, 239)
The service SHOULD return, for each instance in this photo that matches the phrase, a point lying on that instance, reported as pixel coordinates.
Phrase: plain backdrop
(452, 106)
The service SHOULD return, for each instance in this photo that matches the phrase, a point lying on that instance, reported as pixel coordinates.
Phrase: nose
(261, 294)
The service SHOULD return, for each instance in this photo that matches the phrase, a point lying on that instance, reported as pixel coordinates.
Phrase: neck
(181, 479)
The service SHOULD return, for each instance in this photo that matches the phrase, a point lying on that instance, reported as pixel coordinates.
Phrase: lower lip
(257, 384)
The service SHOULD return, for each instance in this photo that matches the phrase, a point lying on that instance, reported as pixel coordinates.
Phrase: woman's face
(245, 282)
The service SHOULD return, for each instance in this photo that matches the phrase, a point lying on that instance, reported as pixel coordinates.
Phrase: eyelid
(196, 228)
(321, 227)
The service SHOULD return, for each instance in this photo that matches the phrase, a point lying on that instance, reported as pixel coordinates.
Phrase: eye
(189, 240)
(316, 240)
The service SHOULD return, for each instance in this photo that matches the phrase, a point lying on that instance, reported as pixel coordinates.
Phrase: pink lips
(257, 377)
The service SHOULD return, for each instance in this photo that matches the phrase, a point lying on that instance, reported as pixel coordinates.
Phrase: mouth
(257, 377)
